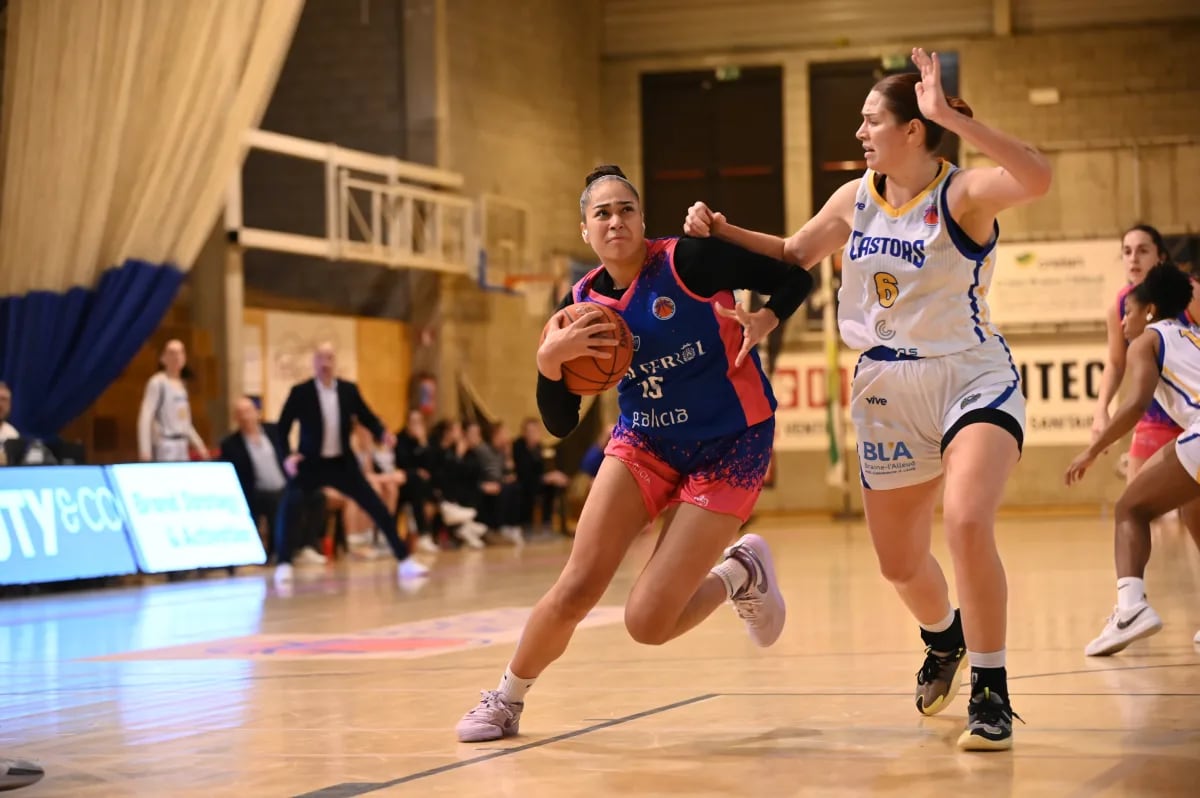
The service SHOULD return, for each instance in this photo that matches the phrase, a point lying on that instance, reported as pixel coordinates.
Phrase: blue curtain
(59, 352)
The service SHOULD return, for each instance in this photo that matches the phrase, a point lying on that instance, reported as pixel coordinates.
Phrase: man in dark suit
(256, 452)
(325, 407)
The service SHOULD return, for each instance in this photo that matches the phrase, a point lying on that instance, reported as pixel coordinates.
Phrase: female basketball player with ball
(1164, 360)
(1142, 248)
(935, 394)
(693, 439)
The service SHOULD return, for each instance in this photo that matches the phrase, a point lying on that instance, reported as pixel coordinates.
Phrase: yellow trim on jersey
(895, 213)
(1178, 385)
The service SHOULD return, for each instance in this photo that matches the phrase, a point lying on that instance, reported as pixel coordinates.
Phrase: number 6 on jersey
(888, 289)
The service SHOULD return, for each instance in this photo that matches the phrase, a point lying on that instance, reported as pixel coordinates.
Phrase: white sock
(990, 659)
(1131, 592)
(512, 687)
(941, 625)
(733, 574)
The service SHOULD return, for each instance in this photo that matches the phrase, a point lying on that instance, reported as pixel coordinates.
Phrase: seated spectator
(378, 466)
(415, 458)
(7, 431)
(500, 497)
(537, 486)
(455, 484)
(589, 467)
(256, 453)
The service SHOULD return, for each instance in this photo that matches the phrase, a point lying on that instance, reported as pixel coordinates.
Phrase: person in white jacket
(165, 422)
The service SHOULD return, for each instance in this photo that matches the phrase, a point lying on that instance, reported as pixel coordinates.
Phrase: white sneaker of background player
(426, 544)
(310, 556)
(1122, 628)
(359, 538)
(411, 569)
(513, 535)
(471, 533)
(455, 514)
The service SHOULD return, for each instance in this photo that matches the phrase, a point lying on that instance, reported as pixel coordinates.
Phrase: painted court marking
(413, 640)
(353, 789)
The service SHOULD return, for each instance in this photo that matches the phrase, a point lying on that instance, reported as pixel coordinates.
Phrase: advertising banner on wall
(60, 523)
(1061, 383)
(1055, 281)
(187, 515)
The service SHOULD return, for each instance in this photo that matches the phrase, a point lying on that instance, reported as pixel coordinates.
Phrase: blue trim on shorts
(887, 354)
(1188, 438)
(1003, 397)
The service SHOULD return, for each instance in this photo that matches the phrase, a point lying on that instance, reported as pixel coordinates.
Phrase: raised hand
(756, 326)
(930, 97)
(702, 221)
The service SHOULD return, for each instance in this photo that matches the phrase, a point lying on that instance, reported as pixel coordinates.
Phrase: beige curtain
(123, 122)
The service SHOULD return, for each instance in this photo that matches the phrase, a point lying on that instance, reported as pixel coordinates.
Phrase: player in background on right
(1164, 361)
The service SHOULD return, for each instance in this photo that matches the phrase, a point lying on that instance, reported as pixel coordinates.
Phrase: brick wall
(524, 96)
(1137, 81)
(343, 82)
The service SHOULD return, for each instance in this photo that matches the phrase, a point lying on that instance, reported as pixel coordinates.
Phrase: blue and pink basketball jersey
(682, 384)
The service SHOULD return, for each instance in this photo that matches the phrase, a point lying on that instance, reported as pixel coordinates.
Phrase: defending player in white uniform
(936, 400)
(1164, 360)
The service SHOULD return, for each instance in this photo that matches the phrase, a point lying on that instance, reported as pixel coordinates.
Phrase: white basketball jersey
(1178, 388)
(911, 279)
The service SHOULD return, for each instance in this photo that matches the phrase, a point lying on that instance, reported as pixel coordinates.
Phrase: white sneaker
(760, 603)
(425, 543)
(359, 538)
(455, 514)
(16, 773)
(310, 556)
(471, 533)
(513, 535)
(1196, 639)
(1121, 629)
(411, 569)
(284, 573)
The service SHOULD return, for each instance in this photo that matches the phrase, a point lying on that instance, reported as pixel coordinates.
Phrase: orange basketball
(588, 375)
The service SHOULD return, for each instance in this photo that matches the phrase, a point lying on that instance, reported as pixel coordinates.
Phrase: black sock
(948, 640)
(993, 679)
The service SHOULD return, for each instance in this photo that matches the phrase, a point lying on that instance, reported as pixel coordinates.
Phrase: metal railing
(378, 210)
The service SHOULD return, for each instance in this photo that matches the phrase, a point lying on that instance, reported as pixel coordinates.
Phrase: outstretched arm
(823, 235)
(1144, 374)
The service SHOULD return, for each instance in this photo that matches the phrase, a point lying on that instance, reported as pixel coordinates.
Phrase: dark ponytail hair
(606, 171)
(900, 96)
(1167, 288)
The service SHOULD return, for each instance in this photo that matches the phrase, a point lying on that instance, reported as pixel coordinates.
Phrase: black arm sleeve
(708, 265)
(558, 407)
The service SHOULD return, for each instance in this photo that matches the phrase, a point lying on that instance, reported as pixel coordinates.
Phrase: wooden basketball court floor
(351, 685)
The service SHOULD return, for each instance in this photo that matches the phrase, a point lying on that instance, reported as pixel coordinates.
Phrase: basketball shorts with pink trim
(724, 475)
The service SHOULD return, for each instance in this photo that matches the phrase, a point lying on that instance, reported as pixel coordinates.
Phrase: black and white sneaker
(989, 723)
(17, 773)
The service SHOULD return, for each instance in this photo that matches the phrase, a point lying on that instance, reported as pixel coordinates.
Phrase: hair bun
(605, 170)
(960, 105)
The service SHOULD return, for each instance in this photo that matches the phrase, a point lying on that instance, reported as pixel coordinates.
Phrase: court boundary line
(351, 789)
